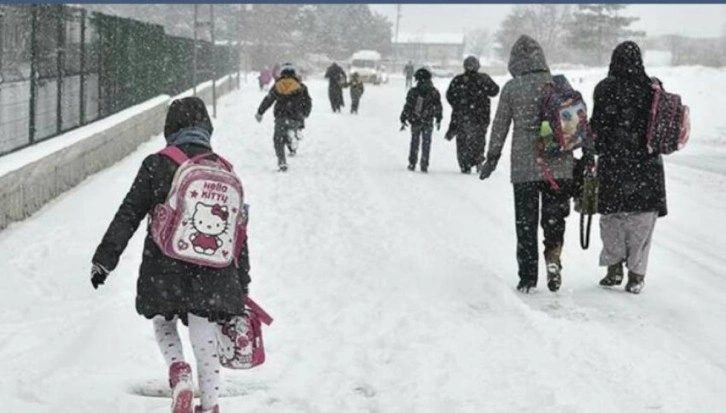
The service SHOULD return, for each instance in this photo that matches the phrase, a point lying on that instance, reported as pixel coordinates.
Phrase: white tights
(202, 334)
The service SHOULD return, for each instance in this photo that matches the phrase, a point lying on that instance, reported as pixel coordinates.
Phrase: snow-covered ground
(392, 291)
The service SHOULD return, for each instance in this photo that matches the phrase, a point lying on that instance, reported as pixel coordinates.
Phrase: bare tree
(546, 23)
(479, 42)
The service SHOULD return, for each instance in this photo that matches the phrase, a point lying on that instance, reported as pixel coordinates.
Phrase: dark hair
(186, 113)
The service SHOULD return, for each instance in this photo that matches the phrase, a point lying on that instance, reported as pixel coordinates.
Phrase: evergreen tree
(598, 28)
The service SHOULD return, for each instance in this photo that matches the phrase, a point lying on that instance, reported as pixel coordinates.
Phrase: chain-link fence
(62, 67)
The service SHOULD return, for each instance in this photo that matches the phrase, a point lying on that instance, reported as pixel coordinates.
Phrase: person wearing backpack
(632, 193)
(422, 108)
(169, 288)
(292, 106)
(469, 95)
(520, 103)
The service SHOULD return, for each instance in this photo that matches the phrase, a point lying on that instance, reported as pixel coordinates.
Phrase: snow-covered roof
(430, 38)
(367, 55)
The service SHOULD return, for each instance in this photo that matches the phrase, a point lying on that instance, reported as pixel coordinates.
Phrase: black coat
(167, 286)
(291, 99)
(423, 105)
(630, 179)
(469, 96)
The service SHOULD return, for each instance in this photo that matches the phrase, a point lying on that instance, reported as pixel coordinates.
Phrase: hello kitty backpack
(203, 220)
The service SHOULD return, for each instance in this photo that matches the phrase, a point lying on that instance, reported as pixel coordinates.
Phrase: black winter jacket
(291, 99)
(469, 96)
(167, 286)
(423, 105)
(630, 179)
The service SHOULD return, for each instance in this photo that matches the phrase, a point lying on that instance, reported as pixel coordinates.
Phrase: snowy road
(392, 291)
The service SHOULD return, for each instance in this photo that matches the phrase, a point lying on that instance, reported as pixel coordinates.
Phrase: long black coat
(631, 180)
(167, 286)
(336, 79)
(469, 95)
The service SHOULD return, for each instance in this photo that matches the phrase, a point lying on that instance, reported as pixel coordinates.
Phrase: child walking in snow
(356, 91)
(292, 107)
(171, 289)
(423, 106)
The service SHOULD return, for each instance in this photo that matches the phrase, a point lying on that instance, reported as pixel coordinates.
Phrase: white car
(440, 71)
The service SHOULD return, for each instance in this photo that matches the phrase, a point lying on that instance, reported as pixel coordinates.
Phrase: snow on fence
(32, 177)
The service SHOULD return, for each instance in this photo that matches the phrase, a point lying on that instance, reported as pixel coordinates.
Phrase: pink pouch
(239, 341)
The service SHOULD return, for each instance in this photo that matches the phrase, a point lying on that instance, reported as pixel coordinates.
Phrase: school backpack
(239, 340)
(203, 220)
(669, 123)
(563, 123)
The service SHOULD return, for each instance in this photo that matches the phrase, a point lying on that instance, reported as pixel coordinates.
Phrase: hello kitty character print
(203, 220)
(239, 340)
(210, 223)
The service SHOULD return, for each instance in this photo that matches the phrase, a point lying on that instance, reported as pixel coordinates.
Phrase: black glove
(588, 162)
(488, 167)
(404, 124)
(98, 275)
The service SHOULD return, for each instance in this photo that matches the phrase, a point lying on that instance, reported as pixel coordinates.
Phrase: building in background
(442, 50)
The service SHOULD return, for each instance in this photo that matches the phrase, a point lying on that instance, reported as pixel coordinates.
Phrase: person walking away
(422, 108)
(336, 80)
(631, 192)
(292, 106)
(408, 71)
(178, 283)
(469, 95)
(264, 78)
(520, 103)
(356, 91)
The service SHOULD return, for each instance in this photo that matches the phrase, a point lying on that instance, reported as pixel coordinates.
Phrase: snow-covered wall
(32, 177)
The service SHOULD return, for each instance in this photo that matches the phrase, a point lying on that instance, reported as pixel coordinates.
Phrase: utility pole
(398, 22)
(214, 62)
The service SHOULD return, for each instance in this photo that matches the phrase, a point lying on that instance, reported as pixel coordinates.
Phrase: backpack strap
(175, 154)
(261, 314)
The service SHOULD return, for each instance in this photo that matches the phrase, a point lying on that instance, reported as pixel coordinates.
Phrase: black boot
(635, 284)
(525, 286)
(614, 275)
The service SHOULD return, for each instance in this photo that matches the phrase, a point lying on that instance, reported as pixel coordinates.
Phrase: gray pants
(626, 237)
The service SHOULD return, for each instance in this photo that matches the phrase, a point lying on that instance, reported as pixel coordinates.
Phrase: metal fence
(62, 67)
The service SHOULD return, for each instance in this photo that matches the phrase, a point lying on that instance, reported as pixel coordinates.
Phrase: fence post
(82, 107)
(33, 70)
(194, 54)
(60, 45)
(214, 63)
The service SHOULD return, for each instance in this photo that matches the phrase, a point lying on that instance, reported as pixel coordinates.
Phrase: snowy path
(392, 291)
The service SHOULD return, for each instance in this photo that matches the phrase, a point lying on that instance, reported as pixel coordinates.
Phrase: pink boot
(199, 409)
(182, 389)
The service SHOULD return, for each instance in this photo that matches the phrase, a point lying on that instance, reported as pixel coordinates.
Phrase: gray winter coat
(520, 102)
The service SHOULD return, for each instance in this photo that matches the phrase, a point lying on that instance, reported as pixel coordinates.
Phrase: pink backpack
(669, 124)
(203, 220)
(239, 340)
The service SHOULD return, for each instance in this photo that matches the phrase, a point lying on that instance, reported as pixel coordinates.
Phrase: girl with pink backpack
(192, 197)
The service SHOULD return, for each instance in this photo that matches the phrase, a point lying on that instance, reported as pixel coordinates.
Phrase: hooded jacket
(423, 105)
(291, 99)
(167, 286)
(630, 179)
(520, 103)
(469, 95)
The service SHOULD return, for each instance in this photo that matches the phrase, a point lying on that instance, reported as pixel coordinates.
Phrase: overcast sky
(656, 19)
